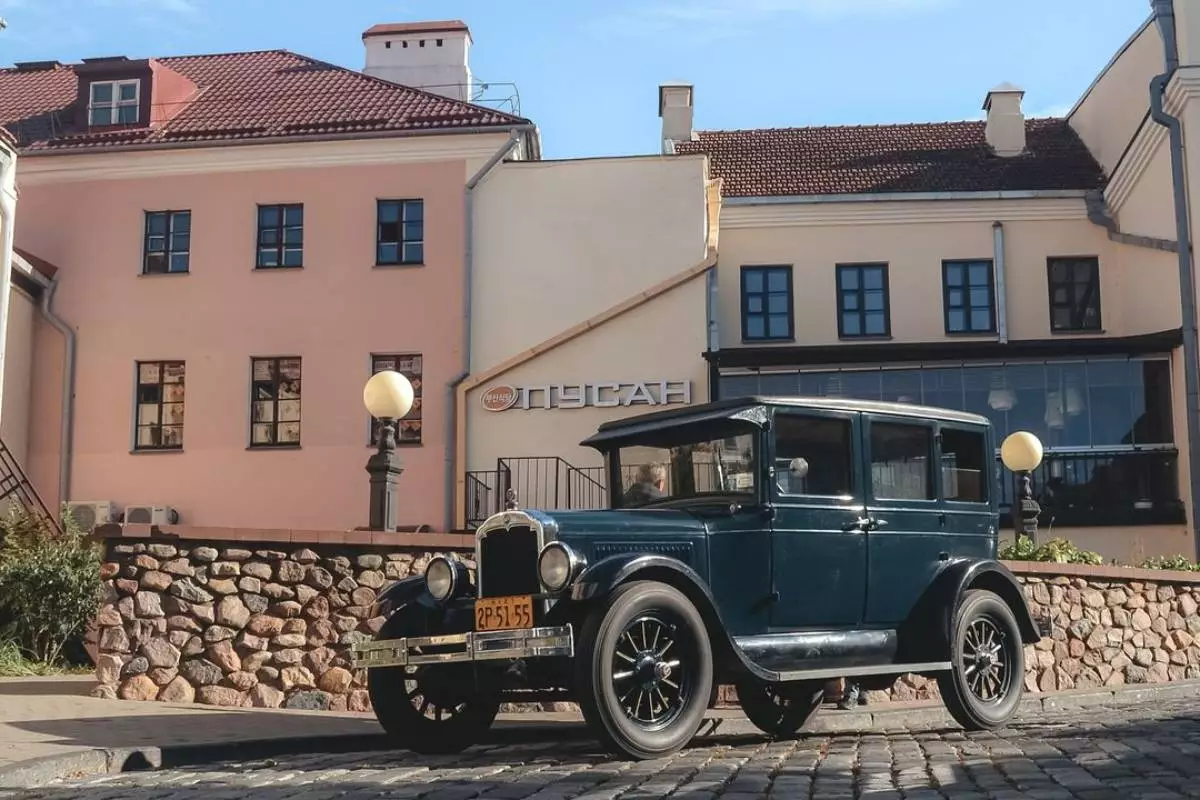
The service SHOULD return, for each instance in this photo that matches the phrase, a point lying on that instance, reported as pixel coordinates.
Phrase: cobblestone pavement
(1145, 752)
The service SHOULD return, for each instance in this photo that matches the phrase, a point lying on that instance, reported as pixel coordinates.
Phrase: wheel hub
(647, 672)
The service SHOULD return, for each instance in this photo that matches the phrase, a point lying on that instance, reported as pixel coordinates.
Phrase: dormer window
(114, 102)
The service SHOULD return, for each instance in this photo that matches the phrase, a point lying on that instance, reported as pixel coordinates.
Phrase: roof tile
(871, 159)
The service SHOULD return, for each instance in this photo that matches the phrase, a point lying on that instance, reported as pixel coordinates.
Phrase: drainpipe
(8, 220)
(66, 450)
(468, 272)
(1001, 282)
(1164, 16)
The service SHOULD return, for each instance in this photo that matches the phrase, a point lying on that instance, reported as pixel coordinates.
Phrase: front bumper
(470, 646)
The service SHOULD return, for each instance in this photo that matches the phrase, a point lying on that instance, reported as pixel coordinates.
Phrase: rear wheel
(780, 709)
(983, 688)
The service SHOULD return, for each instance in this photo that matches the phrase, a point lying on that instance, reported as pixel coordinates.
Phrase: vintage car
(769, 544)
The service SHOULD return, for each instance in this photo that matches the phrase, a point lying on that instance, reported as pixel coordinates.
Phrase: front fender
(412, 590)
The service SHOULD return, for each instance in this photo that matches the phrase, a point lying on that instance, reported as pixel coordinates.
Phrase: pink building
(240, 239)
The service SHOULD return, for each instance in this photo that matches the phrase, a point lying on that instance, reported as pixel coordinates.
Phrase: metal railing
(15, 487)
(546, 482)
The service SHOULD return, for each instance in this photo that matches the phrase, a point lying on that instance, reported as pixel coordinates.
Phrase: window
(280, 236)
(965, 466)
(400, 238)
(767, 303)
(159, 424)
(900, 461)
(168, 242)
(1074, 294)
(863, 300)
(409, 366)
(114, 102)
(813, 456)
(275, 402)
(969, 297)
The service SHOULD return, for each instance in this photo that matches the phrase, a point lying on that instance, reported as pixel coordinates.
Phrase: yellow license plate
(503, 613)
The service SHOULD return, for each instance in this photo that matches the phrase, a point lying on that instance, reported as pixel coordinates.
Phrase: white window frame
(116, 103)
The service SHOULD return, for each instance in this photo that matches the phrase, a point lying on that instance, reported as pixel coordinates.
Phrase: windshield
(674, 465)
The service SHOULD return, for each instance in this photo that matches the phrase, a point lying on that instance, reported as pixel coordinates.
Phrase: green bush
(49, 585)
(1059, 551)
(1179, 563)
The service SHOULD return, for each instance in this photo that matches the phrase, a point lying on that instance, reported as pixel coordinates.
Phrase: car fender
(600, 579)
(926, 632)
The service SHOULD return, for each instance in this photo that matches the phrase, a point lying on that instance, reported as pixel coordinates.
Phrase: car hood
(647, 521)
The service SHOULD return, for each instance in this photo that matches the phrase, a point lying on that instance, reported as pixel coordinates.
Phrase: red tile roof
(40, 264)
(241, 97)
(397, 28)
(868, 159)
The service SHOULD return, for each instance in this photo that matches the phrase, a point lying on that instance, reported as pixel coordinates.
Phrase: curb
(37, 772)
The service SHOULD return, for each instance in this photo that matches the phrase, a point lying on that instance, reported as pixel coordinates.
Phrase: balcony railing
(545, 482)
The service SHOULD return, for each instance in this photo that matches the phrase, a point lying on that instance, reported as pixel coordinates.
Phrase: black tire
(682, 685)
(418, 707)
(780, 709)
(983, 688)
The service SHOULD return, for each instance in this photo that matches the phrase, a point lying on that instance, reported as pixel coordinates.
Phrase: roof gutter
(514, 139)
(893, 197)
(1164, 17)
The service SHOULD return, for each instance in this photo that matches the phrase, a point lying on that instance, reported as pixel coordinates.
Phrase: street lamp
(388, 396)
(1021, 452)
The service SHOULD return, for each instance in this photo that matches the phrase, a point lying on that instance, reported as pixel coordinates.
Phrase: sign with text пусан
(584, 395)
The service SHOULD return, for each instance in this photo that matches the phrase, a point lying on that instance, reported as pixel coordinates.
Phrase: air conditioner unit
(87, 514)
(151, 515)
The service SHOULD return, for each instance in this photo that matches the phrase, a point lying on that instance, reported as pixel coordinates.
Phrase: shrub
(49, 584)
(1180, 563)
(1059, 551)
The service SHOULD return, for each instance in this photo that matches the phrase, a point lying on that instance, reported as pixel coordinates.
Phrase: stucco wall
(18, 365)
(333, 313)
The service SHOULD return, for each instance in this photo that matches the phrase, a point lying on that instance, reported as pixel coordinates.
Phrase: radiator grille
(508, 562)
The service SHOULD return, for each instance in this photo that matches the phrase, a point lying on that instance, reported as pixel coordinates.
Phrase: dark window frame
(168, 250)
(275, 383)
(281, 247)
(160, 402)
(1075, 311)
(986, 467)
(932, 472)
(966, 287)
(860, 293)
(766, 270)
(416, 414)
(401, 242)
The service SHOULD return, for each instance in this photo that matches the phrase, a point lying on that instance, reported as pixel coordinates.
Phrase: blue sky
(588, 70)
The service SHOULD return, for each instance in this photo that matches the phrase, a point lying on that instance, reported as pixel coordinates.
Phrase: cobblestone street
(1136, 753)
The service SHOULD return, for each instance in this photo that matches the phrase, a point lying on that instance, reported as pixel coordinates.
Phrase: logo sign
(587, 395)
(499, 398)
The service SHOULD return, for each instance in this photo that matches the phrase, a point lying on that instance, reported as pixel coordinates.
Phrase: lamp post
(1021, 452)
(388, 396)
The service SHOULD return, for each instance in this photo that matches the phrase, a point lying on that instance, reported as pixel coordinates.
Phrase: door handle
(860, 524)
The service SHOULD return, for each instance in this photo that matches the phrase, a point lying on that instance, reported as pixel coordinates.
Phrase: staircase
(15, 488)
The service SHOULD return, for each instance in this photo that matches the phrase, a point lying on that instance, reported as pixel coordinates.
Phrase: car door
(906, 542)
(818, 547)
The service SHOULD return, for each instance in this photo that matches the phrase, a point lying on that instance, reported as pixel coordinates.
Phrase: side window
(900, 461)
(964, 466)
(813, 456)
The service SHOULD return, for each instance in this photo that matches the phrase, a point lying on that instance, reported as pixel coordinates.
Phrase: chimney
(675, 106)
(424, 55)
(1005, 129)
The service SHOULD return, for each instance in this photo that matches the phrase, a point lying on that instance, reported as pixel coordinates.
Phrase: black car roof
(754, 409)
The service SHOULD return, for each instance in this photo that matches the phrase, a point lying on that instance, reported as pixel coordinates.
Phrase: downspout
(468, 272)
(1164, 16)
(8, 219)
(1001, 282)
(714, 342)
(66, 449)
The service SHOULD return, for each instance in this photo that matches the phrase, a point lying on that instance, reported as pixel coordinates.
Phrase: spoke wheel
(644, 670)
(984, 686)
(780, 709)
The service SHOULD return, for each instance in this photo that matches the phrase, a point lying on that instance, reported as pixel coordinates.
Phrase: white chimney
(1005, 129)
(675, 106)
(424, 55)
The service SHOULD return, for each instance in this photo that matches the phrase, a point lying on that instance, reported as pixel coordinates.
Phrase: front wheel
(644, 671)
(983, 688)
(780, 709)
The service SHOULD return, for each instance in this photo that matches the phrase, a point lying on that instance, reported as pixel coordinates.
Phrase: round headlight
(556, 566)
(439, 577)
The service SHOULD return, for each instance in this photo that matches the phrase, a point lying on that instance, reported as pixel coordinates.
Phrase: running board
(829, 673)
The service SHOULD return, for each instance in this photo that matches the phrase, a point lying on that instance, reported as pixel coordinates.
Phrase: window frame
(399, 244)
(115, 105)
(860, 293)
(161, 404)
(987, 470)
(965, 263)
(280, 248)
(418, 401)
(1072, 305)
(275, 422)
(766, 270)
(857, 485)
(932, 472)
(168, 237)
